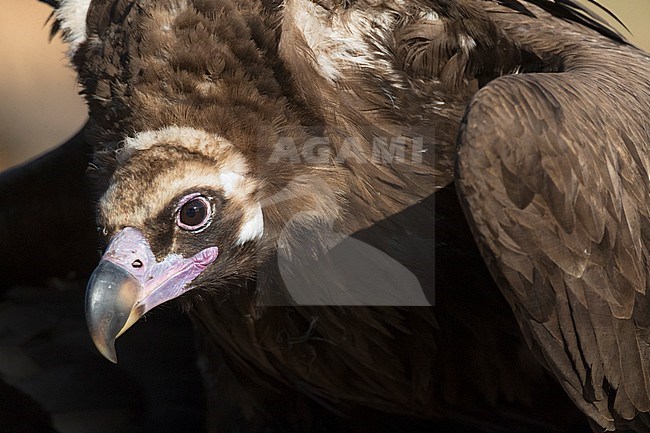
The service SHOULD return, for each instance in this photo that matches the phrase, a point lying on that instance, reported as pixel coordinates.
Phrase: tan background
(39, 104)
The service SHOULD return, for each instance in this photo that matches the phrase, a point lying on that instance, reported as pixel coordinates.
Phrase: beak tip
(111, 356)
(107, 349)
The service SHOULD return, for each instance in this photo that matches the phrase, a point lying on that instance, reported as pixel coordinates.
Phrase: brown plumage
(560, 212)
(536, 109)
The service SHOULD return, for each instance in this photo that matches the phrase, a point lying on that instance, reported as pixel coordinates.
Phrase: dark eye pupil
(193, 213)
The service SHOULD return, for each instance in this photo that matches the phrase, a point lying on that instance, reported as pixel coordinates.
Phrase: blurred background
(39, 102)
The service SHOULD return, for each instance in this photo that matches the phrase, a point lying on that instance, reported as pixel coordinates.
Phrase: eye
(194, 213)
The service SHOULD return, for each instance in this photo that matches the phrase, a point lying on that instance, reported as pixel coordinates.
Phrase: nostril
(137, 263)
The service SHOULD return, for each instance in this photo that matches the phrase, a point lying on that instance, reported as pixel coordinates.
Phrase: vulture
(379, 215)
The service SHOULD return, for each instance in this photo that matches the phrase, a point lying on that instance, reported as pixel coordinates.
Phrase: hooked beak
(129, 281)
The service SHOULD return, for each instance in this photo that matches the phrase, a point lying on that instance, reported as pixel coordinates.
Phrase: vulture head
(183, 210)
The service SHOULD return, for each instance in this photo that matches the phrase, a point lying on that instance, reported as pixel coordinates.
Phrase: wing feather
(552, 171)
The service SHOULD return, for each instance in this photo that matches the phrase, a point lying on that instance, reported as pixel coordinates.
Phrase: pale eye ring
(193, 213)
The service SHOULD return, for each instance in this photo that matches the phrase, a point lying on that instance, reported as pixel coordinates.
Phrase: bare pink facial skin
(161, 281)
